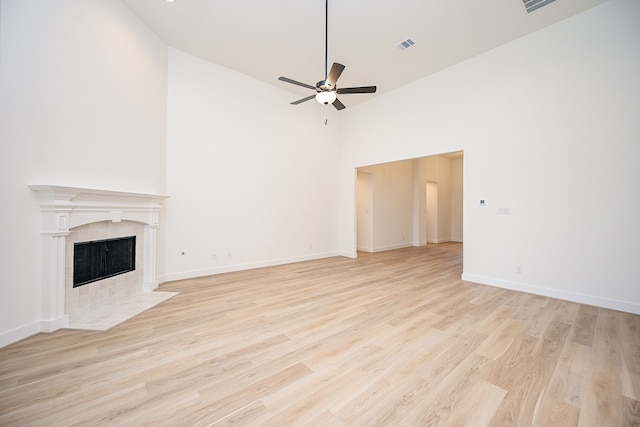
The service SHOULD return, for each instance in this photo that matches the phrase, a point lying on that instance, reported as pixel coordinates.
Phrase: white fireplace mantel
(64, 208)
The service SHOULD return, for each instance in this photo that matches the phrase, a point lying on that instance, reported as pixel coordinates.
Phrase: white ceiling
(266, 39)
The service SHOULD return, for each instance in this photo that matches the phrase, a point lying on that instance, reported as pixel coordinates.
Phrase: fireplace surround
(65, 209)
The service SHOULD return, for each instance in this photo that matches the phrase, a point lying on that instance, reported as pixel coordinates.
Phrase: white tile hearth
(113, 314)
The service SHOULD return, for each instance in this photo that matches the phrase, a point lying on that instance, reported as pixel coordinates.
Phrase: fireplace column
(150, 282)
(54, 250)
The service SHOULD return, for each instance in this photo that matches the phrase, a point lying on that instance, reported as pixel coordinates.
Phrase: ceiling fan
(326, 90)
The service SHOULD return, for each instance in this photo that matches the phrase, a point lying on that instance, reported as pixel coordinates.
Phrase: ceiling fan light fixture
(326, 97)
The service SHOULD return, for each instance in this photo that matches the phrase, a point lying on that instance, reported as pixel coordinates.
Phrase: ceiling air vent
(532, 5)
(405, 44)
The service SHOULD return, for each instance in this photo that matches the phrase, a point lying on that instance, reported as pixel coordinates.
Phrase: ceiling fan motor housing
(322, 85)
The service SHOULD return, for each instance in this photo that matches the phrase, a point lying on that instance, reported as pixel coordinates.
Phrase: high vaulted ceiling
(266, 39)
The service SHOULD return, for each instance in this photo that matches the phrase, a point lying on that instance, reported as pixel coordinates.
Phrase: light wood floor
(390, 339)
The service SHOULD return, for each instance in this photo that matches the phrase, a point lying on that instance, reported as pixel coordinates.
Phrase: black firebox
(99, 259)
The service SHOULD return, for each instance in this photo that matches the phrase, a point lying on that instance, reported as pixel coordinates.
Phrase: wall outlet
(518, 269)
(214, 257)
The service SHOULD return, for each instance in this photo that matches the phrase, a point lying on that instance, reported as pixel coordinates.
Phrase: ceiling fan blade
(334, 73)
(363, 89)
(339, 105)
(294, 82)
(300, 101)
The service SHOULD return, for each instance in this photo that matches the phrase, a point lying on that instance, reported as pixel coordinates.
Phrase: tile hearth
(113, 314)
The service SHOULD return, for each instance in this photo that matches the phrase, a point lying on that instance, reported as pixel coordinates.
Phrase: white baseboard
(33, 328)
(18, 334)
(240, 267)
(392, 247)
(612, 304)
(149, 286)
(54, 324)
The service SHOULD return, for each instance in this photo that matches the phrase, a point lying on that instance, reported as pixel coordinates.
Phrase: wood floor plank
(254, 414)
(500, 339)
(217, 408)
(584, 325)
(602, 403)
(325, 387)
(630, 360)
(567, 381)
(383, 402)
(556, 413)
(390, 338)
(444, 397)
(528, 390)
(606, 344)
(311, 402)
(630, 412)
(471, 411)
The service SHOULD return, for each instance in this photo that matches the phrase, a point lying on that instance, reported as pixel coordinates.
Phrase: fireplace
(73, 216)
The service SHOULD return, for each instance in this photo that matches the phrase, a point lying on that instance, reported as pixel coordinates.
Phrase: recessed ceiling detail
(531, 5)
(405, 44)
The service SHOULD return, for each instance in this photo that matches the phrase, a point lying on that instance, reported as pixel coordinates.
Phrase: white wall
(82, 103)
(252, 179)
(457, 199)
(365, 211)
(436, 169)
(392, 205)
(549, 127)
(431, 213)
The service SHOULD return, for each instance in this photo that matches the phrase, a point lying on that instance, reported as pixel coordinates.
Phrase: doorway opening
(410, 203)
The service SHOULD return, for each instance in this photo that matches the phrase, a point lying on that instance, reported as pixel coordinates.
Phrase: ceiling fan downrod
(326, 40)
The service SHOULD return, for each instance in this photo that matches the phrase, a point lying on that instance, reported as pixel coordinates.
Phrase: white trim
(54, 324)
(240, 267)
(554, 293)
(436, 241)
(19, 333)
(64, 208)
(392, 247)
(352, 255)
